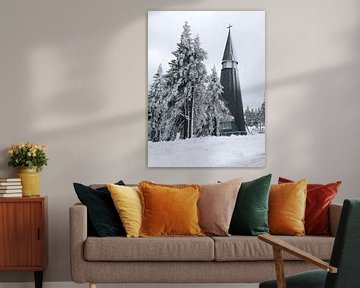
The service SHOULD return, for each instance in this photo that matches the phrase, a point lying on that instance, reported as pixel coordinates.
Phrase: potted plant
(30, 158)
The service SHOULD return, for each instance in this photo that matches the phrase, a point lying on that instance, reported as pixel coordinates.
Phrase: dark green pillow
(250, 216)
(103, 218)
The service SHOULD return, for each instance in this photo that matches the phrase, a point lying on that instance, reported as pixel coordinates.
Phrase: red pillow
(319, 197)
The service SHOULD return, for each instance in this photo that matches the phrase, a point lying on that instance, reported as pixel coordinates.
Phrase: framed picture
(206, 89)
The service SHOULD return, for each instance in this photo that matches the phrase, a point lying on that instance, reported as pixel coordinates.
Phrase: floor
(74, 285)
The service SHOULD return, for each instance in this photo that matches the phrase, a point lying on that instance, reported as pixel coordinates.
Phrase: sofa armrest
(284, 246)
(279, 246)
(78, 235)
(334, 217)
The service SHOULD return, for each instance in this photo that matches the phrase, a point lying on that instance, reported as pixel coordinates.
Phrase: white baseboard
(74, 285)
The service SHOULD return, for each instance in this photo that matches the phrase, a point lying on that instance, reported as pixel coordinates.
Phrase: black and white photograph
(206, 89)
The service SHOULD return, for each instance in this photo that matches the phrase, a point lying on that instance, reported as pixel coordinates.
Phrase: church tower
(230, 81)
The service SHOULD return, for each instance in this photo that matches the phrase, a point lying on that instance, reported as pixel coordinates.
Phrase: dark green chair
(344, 268)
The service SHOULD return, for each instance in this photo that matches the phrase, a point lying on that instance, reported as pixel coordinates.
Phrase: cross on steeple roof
(229, 51)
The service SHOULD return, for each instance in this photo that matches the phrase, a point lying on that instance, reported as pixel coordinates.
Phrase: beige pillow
(216, 205)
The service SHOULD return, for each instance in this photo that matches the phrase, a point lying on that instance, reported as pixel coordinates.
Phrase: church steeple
(229, 54)
(232, 92)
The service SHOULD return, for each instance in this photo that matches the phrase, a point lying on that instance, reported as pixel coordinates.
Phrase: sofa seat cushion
(149, 249)
(244, 248)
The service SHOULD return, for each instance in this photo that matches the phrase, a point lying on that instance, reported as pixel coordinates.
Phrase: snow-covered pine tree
(199, 80)
(156, 107)
(186, 80)
(177, 78)
(260, 116)
(248, 117)
(262, 113)
(213, 109)
(172, 116)
(255, 116)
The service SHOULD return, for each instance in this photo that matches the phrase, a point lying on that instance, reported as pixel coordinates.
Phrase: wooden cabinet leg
(92, 285)
(38, 279)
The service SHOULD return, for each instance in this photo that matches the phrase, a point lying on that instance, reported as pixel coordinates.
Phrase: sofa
(233, 259)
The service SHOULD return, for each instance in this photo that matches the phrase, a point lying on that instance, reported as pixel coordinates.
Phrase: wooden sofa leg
(92, 285)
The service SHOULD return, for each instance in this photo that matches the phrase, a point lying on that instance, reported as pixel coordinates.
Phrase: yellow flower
(27, 152)
(41, 147)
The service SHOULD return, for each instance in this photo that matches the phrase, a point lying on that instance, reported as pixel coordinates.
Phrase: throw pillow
(127, 201)
(250, 215)
(216, 206)
(287, 208)
(319, 197)
(102, 215)
(169, 210)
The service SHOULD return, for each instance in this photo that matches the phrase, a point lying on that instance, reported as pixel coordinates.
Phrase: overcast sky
(248, 36)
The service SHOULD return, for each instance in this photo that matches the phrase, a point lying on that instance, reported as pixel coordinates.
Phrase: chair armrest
(284, 246)
(334, 217)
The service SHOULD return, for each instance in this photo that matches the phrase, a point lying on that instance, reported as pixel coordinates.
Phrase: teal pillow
(250, 216)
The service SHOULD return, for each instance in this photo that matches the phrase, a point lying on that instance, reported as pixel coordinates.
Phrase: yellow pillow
(287, 204)
(169, 210)
(127, 201)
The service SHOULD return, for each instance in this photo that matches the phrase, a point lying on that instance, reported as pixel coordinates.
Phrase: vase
(30, 181)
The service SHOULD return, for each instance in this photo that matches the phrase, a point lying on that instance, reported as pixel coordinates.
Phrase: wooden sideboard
(23, 235)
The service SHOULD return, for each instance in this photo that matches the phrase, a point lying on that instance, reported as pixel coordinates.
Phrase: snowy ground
(224, 151)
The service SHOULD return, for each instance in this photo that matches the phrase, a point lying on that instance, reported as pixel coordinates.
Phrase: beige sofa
(234, 259)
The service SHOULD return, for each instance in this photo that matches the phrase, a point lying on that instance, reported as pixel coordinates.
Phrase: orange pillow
(169, 210)
(287, 204)
(318, 200)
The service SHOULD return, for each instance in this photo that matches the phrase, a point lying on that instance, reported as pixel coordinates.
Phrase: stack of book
(10, 187)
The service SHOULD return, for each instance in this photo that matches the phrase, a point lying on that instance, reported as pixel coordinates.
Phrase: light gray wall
(73, 77)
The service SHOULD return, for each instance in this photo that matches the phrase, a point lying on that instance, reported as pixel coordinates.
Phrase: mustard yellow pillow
(169, 210)
(287, 204)
(127, 201)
